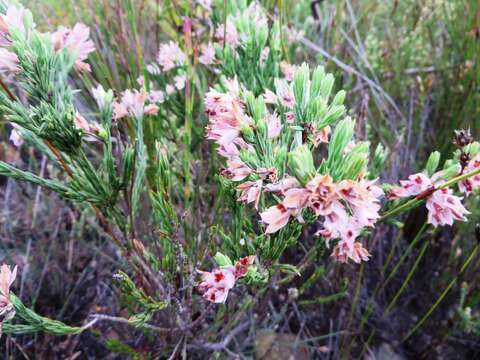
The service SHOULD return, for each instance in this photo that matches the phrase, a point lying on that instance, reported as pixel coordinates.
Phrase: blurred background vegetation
(412, 76)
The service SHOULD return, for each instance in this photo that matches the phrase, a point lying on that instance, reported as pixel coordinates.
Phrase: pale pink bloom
(206, 4)
(355, 251)
(13, 19)
(9, 62)
(290, 117)
(274, 125)
(78, 43)
(119, 110)
(16, 138)
(321, 136)
(99, 94)
(207, 56)
(416, 184)
(151, 109)
(141, 81)
(280, 187)
(215, 285)
(228, 151)
(270, 97)
(288, 70)
(236, 170)
(363, 198)
(156, 96)
(444, 208)
(468, 185)
(322, 194)
(264, 55)
(7, 277)
(250, 191)
(180, 81)
(270, 173)
(276, 217)
(242, 266)
(230, 34)
(170, 55)
(226, 115)
(81, 123)
(285, 94)
(233, 87)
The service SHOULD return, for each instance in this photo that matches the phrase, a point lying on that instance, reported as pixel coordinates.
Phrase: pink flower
(207, 56)
(215, 285)
(250, 191)
(285, 94)
(170, 55)
(276, 217)
(133, 104)
(354, 251)
(321, 136)
(156, 96)
(280, 187)
(180, 81)
(7, 277)
(236, 170)
(13, 19)
(78, 43)
(444, 207)
(270, 97)
(226, 115)
(290, 117)
(468, 185)
(242, 266)
(81, 123)
(322, 194)
(274, 125)
(8, 62)
(416, 184)
(288, 70)
(119, 111)
(230, 34)
(16, 138)
(363, 198)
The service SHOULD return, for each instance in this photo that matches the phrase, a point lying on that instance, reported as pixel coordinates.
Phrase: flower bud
(432, 163)
(222, 260)
(300, 162)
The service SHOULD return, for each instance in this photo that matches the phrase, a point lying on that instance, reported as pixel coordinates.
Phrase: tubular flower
(250, 191)
(468, 185)
(170, 55)
(444, 208)
(13, 19)
(216, 285)
(207, 56)
(78, 43)
(133, 104)
(228, 35)
(8, 62)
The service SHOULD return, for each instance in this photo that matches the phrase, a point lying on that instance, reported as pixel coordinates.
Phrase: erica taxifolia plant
(221, 156)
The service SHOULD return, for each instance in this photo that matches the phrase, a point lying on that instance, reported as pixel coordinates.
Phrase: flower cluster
(77, 42)
(346, 207)
(443, 206)
(216, 285)
(133, 103)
